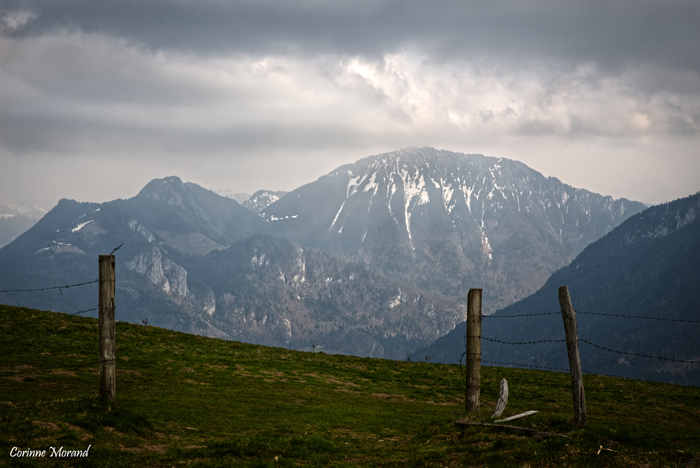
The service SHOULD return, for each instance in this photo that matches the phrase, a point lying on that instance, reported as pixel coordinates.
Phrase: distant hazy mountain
(195, 261)
(183, 220)
(648, 266)
(15, 218)
(11, 226)
(446, 221)
(262, 199)
(191, 218)
(240, 197)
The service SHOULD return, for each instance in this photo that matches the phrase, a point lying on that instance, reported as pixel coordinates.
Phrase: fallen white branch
(517, 416)
(464, 422)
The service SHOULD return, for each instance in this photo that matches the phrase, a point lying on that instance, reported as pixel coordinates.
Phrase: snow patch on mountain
(81, 225)
(336, 217)
(259, 261)
(62, 248)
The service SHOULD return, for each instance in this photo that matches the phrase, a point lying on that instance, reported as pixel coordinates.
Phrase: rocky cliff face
(274, 291)
(162, 272)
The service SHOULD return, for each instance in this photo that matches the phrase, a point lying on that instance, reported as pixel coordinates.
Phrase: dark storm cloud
(71, 136)
(218, 85)
(605, 32)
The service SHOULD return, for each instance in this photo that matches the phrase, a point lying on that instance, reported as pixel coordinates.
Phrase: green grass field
(184, 400)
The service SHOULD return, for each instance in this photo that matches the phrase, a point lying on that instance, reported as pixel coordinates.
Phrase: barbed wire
(521, 315)
(59, 287)
(637, 317)
(117, 248)
(52, 287)
(527, 365)
(62, 365)
(636, 354)
(559, 369)
(42, 319)
(581, 340)
(592, 344)
(521, 342)
(83, 311)
(586, 372)
(595, 313)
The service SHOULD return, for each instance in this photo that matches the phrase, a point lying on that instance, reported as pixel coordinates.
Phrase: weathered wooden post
(107, 335)
(473, 391)
(569, 316)
(502, 400)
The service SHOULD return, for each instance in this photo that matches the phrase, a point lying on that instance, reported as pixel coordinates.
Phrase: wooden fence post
(569, 316)
(473, 391)
(106, 329)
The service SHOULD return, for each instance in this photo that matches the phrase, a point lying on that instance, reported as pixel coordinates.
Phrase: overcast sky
(99, 97)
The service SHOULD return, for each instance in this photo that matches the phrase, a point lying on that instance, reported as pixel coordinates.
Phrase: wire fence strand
(558, 369)
(638, 317)
(636, 354)
(83, 311)
(522, 342)
(594, 313)
(52, 287)
(527, 365)
(521, 315)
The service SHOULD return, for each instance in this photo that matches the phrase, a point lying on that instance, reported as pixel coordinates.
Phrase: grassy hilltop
(184, 400)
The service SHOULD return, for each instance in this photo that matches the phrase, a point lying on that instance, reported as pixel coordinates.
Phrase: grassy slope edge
(184, 400)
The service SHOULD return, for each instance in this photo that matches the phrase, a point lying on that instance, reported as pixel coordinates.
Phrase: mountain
(198, 262)
(12, 225)
(184, 219)
(15, 218)
(193, 219)
(648, 266)
(262, 199)
(446, 221)
(272, 291)
(240, 197)
(363, 261)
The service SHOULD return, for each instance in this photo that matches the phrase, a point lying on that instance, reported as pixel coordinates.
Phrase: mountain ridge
(175, 235)
(446, 221)
(424, 224)
(646, 267)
